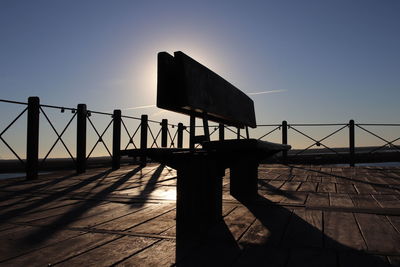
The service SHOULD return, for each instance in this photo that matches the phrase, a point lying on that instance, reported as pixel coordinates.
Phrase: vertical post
(143, 138)
(351, 143)
(81, 138)
(247, 132)
(164, 133)
(32, 144)
(284, 138)
(116, 159)
(221, 132)
(238, 133)
(180, 135)
(192, 131)
(205, 127)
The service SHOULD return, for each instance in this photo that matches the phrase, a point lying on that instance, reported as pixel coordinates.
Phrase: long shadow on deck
(279, 237)
(43, 233)
(150, 185)
(23, 192)
(8, 215)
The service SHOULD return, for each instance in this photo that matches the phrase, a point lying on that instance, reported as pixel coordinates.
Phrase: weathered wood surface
(305, 216)
(188, 87)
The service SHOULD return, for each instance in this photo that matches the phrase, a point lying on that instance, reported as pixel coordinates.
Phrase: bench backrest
(188, 87)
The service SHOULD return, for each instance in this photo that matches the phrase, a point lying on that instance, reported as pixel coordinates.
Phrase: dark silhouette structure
(188, 87)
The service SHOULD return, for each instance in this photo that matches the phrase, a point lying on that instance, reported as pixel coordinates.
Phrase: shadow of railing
(67, 218)
(150, 185)
(9, 215)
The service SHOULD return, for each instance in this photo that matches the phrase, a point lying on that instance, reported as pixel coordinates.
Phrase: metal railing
(121, 132)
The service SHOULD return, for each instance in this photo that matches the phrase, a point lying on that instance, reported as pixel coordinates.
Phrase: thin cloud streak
(267, 92)
(140, 107)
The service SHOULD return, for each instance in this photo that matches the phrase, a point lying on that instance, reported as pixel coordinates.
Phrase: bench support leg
(244, 180)
(198, 203)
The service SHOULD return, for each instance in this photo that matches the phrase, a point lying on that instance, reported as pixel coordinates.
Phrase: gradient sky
(325, 61)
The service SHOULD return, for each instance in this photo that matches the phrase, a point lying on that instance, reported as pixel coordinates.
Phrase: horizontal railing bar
(378, 124)
(159, 122)
(209, 126)
(269, 125)
(317, 124)
(130, 117)
(13, 102)
(99, 112)
(57, 107)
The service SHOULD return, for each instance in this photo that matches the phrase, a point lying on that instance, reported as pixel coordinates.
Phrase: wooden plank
(329, 179)
(295, 198)
(267, 175)
(161, 253)
(276, 184)
(268, 228)
(395, 221)
(156, 225)
(304, 229)
(272, 192)
(387, 201)
(384, 189)
(307, 187)
(110, 253)
(341, 231)
(274, 197)
(326, 169)
(314, 179)
(379, 234)
(271, 186)
(300, 178)
(290, 186)
(61, 250)
(364, 201)
(227, 208)
(238, 221)
(85, 215)
(133, 219)
(29, 213)
(22, 239)
(346, 188)
(317, 199)
(340, 200)
(326, 187)
(364, 188)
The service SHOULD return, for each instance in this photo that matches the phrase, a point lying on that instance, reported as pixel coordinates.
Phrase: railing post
(143, 138)
(180, 134)
(192, 131)
(81, 138)
(284, 138)
(351, 143)
(164, 133)
(238, 133)
(221, 132)
(32, 144)
(116, 159)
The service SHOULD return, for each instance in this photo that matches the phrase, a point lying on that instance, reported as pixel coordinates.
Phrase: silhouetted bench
(187, 87)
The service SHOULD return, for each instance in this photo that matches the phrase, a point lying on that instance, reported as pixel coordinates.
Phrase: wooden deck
(306, 216)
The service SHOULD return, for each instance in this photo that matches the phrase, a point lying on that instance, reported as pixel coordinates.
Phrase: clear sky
(324, 61)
